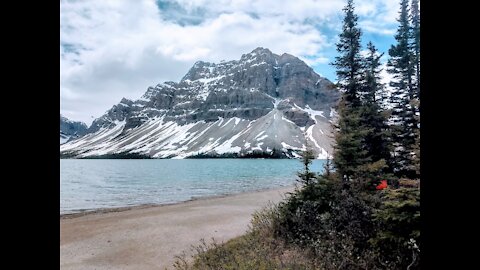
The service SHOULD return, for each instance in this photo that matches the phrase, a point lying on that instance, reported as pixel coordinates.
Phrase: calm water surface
(88, 184)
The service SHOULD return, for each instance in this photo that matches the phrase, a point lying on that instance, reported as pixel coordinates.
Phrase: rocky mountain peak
(199, 70)
(260, 84)
(258, 53)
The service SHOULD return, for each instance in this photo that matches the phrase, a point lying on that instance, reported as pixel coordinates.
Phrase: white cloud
(315, 60)
(385, 10)
(293, 10)
(374, 27)
(379, 16)
(112, 49)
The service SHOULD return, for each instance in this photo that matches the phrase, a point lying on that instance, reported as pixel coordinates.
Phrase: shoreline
(150, 236)
(100, 211)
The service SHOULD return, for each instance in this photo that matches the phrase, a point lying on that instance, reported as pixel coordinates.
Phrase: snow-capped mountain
(71, 129)
(259, 103)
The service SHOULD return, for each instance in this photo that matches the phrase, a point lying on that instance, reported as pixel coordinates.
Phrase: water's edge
(99, 211)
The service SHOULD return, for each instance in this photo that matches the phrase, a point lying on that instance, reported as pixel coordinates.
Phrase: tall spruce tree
(350, 152)
(373, 117)
(404, 128)
(349, 66)
(372, 64)
(415, 21)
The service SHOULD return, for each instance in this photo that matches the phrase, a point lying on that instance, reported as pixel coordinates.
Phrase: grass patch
(258, 249)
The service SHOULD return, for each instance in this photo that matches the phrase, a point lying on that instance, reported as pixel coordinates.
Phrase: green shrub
(398, 237)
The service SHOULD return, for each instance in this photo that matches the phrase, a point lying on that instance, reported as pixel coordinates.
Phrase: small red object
(382, 185)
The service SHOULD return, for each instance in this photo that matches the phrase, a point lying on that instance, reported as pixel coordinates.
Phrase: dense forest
(363, 212)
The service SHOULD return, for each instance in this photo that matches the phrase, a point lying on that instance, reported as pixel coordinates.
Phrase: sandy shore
(150, 237)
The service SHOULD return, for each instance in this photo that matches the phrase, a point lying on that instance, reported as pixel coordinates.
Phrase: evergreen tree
(403, 114)
(350, 153)
(374, 121)
(399, 220)
(415, 21)
(306, 176)
(401, 56)
(372, 65)
(348, 64)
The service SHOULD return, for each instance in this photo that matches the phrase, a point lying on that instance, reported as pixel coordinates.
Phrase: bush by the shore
(325, 224)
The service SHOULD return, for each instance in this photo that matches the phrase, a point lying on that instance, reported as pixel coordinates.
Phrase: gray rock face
(71, 129)
(249, 89)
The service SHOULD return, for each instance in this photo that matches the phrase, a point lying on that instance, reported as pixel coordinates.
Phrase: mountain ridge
(219, 108)
(71, 129)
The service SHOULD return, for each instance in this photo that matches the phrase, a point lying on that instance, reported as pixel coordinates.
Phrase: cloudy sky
(111, 49)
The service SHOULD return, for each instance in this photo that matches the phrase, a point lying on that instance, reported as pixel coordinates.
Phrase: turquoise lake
(89, 184)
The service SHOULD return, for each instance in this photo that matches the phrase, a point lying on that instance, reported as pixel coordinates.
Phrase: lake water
(88, 184)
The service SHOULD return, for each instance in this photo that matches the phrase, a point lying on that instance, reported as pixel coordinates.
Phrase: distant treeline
(124, 155)
(274, 154)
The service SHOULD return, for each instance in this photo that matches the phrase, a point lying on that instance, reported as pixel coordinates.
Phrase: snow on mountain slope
(262, 103)
(63, 138)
